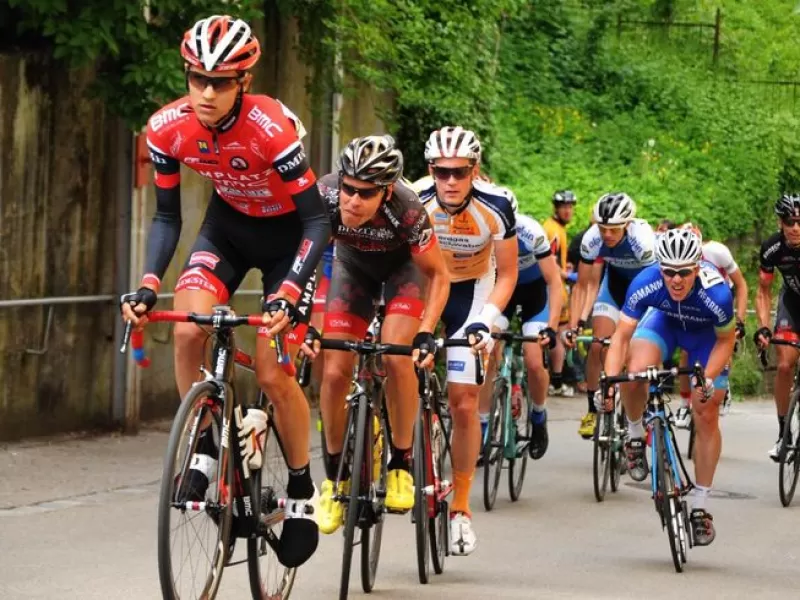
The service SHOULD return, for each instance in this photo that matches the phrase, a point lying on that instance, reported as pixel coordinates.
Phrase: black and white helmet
(679, 248)
(564, 197)
(373, 158)
(788, 205)
(616, 208)
(453, 142)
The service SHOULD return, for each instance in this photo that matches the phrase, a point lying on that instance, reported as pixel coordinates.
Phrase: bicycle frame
(439, 489)
(512, 370)
(657, 411)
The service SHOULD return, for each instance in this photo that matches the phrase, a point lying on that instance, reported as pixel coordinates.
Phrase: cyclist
(265, 212)
(781, 251)
(683, 302)
(719, 255)
(475, 224)
(614, 250)
(555, 226)
(539, 296)
(384, 240)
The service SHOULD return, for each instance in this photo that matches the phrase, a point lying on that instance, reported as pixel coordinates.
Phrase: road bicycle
(239, 502)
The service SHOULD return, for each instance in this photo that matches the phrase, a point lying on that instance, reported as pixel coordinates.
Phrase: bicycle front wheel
(375, 473)
(668, 496)
(522, 428)
(191, 518)
(421, 510)
(359, 423)
(494, 446)
(788, 459)
(268, 577)
(603, 440)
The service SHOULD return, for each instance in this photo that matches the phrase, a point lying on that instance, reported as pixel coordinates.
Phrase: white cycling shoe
(683, 418)
(462, 539)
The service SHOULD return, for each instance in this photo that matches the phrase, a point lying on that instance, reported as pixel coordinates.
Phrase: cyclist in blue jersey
(683, 302)
(624, 245)
(539, 296)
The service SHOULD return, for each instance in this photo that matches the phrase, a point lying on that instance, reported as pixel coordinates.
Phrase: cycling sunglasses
(445, 173)
(218, 84)
(669, 273)
(366, 194)
(790, 222)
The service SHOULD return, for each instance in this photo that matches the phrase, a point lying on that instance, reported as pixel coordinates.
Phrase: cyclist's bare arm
(618, 350)
(741, 291)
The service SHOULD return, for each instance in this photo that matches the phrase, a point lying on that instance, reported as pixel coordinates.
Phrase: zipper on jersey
(680, 316)
(214, 141)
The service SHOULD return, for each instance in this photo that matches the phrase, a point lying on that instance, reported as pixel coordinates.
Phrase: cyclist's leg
(465, 303)
(536, 313)
(604, 321)
(404, 292)
(786, 322)
(558, 354)
(652, 341)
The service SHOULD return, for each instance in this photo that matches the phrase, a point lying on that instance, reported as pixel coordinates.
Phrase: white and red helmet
(220, 43)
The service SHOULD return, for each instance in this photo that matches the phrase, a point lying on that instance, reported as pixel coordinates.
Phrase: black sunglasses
(445, 173)
(366, 194)
(789, 222)
(670, 273)
(218, 84)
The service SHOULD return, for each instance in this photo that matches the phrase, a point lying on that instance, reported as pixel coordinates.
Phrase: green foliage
(138, 62)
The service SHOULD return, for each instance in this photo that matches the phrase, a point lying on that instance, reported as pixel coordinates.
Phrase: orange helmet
(220, 43)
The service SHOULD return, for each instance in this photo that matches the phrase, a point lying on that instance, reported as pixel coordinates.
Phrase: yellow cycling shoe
(399, 490)
(331, 513)
(588, 422)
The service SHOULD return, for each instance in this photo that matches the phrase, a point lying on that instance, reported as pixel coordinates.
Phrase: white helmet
(616, 208)
(678, 248)
(453, 142)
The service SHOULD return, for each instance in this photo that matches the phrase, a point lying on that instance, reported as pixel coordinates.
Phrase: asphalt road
(78, 520)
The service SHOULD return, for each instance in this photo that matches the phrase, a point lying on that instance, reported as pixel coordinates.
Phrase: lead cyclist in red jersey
(265, 212)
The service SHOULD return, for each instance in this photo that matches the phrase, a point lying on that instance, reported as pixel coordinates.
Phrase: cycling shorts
(353, 293)
(656, 327)
(611, 296)
(787, 317)
(534, 308)
(465, 303)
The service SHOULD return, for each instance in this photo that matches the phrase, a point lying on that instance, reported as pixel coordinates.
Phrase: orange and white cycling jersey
(466, 237)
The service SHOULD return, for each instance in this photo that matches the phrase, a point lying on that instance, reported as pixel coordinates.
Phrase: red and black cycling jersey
(400, 228)
(258, 166)
(777, 254)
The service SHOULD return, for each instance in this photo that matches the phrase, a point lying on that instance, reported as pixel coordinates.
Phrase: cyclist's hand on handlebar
(762, 337)
(478, 335)
(280, 315)
(740, 330)
(547, 337)
(424, 349)
(135, 305)
(312, 343)
(705, 391)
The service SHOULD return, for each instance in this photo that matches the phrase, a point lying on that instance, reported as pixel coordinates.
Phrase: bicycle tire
(372, 536)
(420, 511)
(668, 495)
(789, 465)
(692, 435)
(516, 469)
(257, 546)
(493, 448)
(198, 393)
(601, 462)
(439, 525)
(618, 462)
(361, 410)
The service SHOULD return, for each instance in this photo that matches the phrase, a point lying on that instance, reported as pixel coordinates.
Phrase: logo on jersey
(263, 120)
(207, 259)
(666, 305)
(157, 159)
(440, 217)
(425, 237)
(233, 146)
(302, 255)
(456, 365)
(202, 145)
(238, 163)
(167, 116)
(193, 160)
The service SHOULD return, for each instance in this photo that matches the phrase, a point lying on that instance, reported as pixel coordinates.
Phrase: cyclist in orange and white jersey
(475, 225)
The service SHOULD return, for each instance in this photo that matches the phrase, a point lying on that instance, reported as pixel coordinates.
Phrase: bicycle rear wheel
(603, 437)
(518, 464)
(421, 510)
(495, 442)
(669, 497)
(359, 424)
(376, 454)
(789, 461)
(209, 518)
(268, 577)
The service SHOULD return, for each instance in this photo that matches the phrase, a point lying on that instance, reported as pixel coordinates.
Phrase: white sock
(484, 417)
(537, 408)
(700, 494)
(684, 402)
(635, 429)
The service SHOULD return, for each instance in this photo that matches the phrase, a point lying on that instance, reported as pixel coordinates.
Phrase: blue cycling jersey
(533, 247)
(709, 304)
(633, 253)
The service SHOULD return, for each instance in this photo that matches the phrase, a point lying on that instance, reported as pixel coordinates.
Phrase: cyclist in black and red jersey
(384, 241)
(265, 212)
